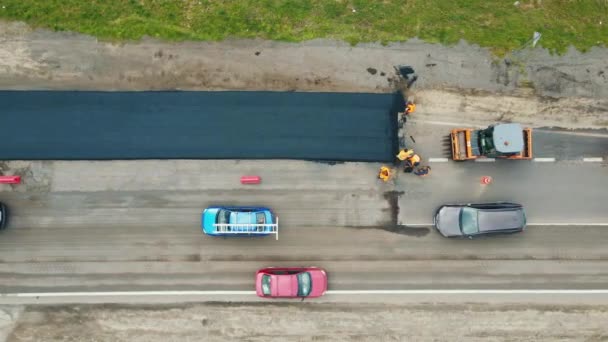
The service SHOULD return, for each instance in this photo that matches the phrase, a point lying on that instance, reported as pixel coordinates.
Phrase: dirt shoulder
(567, 91)
(310, 322)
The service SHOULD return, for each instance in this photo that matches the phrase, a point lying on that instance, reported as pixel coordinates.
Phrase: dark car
(471, 220)
(3, 218)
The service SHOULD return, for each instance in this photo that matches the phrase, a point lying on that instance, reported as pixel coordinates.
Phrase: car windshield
(468, 221)
(260, 218)
(304, 284)
(223, 216)
(266, 285)
(486, 139)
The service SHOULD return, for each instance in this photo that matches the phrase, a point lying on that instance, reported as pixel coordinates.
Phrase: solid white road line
(485, 160)
(330, 292)
(544, 160)
(581, 134)
(593, 160)
(127, 293)
(438, 160)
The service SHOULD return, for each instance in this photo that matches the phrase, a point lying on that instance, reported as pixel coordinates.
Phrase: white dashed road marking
(538, 160)
(530, 224)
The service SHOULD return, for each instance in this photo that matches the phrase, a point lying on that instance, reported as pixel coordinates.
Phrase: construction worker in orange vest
(404, 154)
(385, 174)
(414, 160)
(410, 107)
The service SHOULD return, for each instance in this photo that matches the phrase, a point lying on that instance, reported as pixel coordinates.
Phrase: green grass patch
(498, 24)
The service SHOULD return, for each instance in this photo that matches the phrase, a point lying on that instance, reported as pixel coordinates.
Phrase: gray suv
(3, 218)
(472, 220)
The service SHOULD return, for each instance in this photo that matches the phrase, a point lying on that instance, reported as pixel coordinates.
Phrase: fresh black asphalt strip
(71, 125)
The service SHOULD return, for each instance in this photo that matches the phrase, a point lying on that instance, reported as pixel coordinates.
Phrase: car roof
(243, 217)
(285, 285)
(500, 219)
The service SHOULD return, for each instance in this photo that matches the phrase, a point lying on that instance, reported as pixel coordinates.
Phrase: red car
(290, 282)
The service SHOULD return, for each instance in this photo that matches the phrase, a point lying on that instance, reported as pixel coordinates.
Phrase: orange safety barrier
(10, 179)
(251, 180)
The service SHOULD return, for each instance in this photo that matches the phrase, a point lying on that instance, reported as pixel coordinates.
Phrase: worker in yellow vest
(404, 154)
(414, 160)
(410, 107)
(385, 174)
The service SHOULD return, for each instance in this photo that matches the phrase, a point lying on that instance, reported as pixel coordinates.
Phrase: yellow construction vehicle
(509, 141)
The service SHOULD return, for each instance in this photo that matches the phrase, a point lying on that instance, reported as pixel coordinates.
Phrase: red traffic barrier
(251, 180)
(485, 180)
(10, 179)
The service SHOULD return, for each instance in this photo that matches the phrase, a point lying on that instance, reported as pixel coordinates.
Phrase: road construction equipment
(509, 141)
(423, 171)
(385, 174)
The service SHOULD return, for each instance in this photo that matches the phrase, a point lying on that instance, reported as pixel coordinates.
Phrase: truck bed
(459, 145)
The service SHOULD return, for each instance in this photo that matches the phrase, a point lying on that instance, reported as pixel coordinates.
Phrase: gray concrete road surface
(180, 257)
(552, 193)
(135, 226)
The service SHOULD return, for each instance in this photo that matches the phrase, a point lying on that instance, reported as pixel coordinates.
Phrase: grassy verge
(498, 24)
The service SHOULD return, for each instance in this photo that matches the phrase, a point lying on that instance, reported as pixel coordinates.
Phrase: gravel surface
(310, 322)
